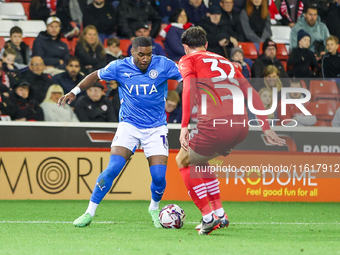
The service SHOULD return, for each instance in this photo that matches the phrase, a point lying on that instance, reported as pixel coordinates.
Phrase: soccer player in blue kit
(142, 80)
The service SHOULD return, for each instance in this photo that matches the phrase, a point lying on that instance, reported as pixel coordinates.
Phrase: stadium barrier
(63, 161)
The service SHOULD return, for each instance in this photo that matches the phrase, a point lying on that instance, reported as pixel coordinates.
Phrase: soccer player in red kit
(205, 75)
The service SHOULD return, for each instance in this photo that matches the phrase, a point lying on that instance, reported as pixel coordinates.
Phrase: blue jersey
(142, 95)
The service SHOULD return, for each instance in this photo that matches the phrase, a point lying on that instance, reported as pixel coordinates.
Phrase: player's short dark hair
(194, 37)
(73, 58)
(113, 40)
(313, 5)
(141, 41)
(16, 30)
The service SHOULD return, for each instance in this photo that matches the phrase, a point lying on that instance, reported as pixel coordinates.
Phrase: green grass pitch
(124, 227)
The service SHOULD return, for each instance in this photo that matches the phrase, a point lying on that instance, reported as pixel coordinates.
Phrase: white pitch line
(139, 222)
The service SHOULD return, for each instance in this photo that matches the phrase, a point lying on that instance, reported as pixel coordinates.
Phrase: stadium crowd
(81, 37)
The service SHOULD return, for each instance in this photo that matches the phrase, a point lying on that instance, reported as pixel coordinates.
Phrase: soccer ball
(172, 216)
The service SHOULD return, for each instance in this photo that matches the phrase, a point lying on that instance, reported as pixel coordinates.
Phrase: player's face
(142, 57)
(16, 38)
(73, 68)
(311, 17)
(266, 98)
(331, 46)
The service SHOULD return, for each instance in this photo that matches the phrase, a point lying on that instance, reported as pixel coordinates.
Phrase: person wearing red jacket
(205, 77)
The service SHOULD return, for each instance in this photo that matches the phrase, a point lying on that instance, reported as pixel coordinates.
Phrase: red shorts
(207, 140)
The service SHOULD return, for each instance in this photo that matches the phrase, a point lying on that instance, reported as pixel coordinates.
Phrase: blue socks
(158, 181)
(105, 179)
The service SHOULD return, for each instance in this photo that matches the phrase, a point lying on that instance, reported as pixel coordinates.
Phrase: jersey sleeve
(187, 72)
(108, 72)
(172, 71)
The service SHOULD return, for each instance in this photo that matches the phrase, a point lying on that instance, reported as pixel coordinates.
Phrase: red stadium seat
(322, 111)
(320, 123)
(172, 84)
(29, 41)
(124, 45)
(161, 43)
(321, 89)
(2, 42)
(249, 49)
(26, 6)
(69, 44)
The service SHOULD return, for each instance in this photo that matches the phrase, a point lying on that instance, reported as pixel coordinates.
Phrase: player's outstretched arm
(273, 138)
(184, 138)
(85, 83)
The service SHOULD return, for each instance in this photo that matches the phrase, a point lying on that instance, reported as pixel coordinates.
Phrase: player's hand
(184, 138)
(273, 138)
(69, 97)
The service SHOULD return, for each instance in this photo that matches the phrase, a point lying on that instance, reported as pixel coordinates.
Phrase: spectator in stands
(113, 95)
(7, 107)
(239, 5)
(94, 106)
(90, 50)
(167, 8)
(8, 58)
(291, 10)
(333, 19)
(267, 100)
(103, 16)
(54, 113)
(113, 52)
(267, 58)
(237, 57)
(172, 108)
(10, 69)
(4, 79)
(336, 118)
(292, 111)
(255, 21)
(311, 23)
(48, 45)
(39, 82)
(71, 77)
(330, 63)
(15, 42)
(173, 33)
(302, 62)
(195, 9)
(218, 32)
(28, 108)
(232, 18)
(133, 12)
(142, 29)
(43, 9)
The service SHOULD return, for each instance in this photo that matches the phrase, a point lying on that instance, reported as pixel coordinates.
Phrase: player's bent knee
(182, 161)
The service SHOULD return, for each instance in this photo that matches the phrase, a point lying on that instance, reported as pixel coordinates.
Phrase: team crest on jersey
(104, 107)
(153, 74)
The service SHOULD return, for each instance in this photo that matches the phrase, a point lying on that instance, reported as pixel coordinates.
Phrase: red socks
(197, 190)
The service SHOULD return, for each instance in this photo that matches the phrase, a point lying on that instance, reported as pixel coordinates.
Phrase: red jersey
(206, 73)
